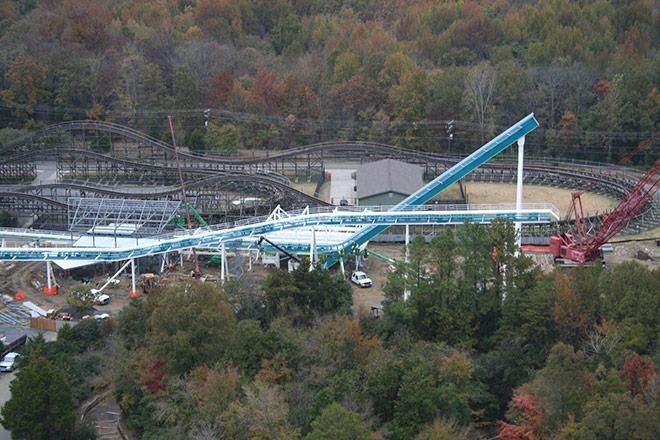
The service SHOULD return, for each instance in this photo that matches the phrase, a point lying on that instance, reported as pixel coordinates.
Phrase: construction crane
(180, 222)
(584, 246)
(196, 270)
(290, 255)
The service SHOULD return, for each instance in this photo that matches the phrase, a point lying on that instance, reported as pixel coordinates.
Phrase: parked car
(100, 299)
(9, 362)
(361, 279)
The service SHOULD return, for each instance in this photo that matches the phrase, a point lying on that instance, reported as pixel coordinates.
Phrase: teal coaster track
(449, 177)
(205, 238)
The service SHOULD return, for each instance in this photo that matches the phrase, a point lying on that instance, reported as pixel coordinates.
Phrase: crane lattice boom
(586, 249)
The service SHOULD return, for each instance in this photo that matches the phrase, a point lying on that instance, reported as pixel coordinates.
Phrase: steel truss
(259, 226)
(137, 158)
(120, 217)
(18, 170)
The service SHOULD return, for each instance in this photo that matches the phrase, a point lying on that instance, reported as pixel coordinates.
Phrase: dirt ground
(480, 192)
(31, 277)
(645, 252)
(377, 270)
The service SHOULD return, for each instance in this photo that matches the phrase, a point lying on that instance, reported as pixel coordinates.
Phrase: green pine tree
(41, 404)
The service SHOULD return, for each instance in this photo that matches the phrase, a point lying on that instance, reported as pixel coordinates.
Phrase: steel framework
(120, 217)
(134, 157)
(257, 227)
(584, 247)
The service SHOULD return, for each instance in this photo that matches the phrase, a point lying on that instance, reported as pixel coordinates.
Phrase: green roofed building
(387, 182)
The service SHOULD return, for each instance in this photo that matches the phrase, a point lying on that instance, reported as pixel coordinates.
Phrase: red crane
(585, 246)
(196, 271)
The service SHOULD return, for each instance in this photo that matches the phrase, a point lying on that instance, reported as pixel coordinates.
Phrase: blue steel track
(210, 239)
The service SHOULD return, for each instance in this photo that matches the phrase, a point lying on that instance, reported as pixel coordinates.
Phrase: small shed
(387, 182)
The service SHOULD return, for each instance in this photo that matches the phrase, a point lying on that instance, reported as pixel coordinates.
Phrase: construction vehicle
(288, 255)
(584, 246)
(180, 223)
(148, 281)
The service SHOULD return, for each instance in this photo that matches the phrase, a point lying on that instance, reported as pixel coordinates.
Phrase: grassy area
(481, 192)
(306, 187)
(451, 193)
(324, 192)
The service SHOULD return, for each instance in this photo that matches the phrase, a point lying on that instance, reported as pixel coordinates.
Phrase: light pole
(207, 116)
(450, 134)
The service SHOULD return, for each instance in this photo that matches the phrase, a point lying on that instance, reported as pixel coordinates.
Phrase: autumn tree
(27, 84)
(225, 138)
(220, 18)
(629, 298)
(336, 422)
(527, 417)
(570, 315)
(263, 414)
(189, 324)
(479, 88)
(186, 92)
(618, 415)
(213, 389)
(561, 387)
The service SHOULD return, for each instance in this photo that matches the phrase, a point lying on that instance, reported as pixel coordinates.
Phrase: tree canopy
(287, 72)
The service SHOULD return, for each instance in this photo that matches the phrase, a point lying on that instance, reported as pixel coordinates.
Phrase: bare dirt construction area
(642, 248)
(30, 278)
(366, 298)
(481, 192)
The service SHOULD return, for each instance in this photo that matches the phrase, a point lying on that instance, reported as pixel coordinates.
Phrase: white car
(361, 279)
(9, 362)
(100, 298)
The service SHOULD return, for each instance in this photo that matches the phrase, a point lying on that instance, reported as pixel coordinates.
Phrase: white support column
(49, 275)
(341, 265)
(406, 289)
(49, 290)
(312, 251)
(249, 261)
(519, 189)
(134, 292)
(112, 278)
(407, 257)
(223, 262)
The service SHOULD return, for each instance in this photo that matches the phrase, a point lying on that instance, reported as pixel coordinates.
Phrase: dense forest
(277, 73)
(476, 352)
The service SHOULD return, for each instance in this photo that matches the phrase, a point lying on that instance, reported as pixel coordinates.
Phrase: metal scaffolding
(120, 217)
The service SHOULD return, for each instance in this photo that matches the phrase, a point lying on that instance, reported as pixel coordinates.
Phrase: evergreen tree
(41, 406)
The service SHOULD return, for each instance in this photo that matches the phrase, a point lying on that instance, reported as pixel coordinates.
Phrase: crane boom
(586, 249)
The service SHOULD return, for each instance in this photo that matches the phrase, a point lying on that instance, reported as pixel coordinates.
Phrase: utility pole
(450, 134)
(207, 116)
